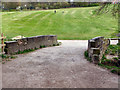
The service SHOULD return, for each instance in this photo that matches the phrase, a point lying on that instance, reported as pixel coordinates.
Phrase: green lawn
(74, 23)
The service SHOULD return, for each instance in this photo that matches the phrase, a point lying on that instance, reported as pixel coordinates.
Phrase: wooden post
(2, 43)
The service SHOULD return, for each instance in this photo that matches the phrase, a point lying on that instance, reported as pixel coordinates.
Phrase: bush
(87, 56)
(112, 50)
(93, 4)
(51, 7)
(116, 71)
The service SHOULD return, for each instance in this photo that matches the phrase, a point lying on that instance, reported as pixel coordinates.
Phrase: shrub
(116, 71)
(86, 54)
(112, 50)
(115, 58)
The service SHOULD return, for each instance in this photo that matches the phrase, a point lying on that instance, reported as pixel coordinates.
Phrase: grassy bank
(74, 23)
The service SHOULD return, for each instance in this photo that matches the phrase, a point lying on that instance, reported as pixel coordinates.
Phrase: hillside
(70, 23)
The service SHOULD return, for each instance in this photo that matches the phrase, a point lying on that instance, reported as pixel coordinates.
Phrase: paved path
(0, 76)
(57, 67)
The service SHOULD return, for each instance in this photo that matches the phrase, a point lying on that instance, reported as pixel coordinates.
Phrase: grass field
(74, 23)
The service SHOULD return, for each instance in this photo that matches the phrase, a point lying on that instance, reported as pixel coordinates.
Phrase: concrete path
(57, 67)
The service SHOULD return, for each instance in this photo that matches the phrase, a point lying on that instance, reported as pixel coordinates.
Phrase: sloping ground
(57, 67)
(74, 23)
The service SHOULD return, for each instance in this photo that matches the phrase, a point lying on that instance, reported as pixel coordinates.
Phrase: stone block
(95, 51)
(92, 44)
(95, 59)
(11, 47)
(22, 44)
(97, 47)
(31, 44)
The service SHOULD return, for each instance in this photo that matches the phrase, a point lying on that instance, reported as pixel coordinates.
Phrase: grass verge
(73, 24)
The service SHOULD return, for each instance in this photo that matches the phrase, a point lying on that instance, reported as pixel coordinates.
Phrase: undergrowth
(5, 58)
(112, 64)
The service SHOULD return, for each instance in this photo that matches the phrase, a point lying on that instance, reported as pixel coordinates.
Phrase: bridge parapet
(13, 47)
(97, 47)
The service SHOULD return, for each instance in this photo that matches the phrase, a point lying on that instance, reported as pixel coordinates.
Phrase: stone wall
(13, 47)
(97, 47)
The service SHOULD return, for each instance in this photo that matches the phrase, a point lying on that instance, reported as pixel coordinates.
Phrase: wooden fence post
(2, 43)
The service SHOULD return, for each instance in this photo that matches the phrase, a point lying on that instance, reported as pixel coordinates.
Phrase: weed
(25, 51)
(118, 44)
(117, 71)
(108, 67)
(103, 58)
(106, 52)
(87, 56)
(113, 64)
(41, 47)
(36, 48)
(60, 43)
(8, 60)
(3, 62)
(54, 44)
(115, 58)
(4, 56)
(112, 50)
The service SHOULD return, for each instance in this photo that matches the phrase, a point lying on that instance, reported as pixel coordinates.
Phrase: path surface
(57, 67)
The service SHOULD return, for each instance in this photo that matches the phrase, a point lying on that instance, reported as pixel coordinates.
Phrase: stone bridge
(61, 66)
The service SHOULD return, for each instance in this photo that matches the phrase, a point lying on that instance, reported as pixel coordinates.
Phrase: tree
(11, 5)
